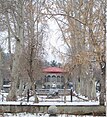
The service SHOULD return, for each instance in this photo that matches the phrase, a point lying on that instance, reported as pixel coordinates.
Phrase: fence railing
(46, 91)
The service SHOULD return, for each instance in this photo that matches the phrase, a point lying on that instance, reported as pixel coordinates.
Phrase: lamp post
(71, 93)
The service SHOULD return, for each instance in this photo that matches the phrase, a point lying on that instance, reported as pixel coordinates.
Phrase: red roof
(53, 70)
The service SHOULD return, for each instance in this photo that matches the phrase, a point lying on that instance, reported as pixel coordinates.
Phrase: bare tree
(19, 36)
(1, 65)
(82, 24)
(26, 26)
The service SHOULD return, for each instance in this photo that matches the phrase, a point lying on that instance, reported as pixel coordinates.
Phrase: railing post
(28, 95)
(71, 94)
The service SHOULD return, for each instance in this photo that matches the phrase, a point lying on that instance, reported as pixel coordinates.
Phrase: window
(58, 79)
(5, 81)
(79, 79)
(48, 78)
(53, 78)
(62, 79)
(45, 79)
(58, 86)
(48, 86)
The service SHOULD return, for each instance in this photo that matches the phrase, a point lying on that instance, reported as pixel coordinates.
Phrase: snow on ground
(43, 100)
(48, 103)
(40, 115)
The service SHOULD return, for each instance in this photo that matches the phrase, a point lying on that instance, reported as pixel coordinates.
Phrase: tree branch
(61, 14)
(8, 23)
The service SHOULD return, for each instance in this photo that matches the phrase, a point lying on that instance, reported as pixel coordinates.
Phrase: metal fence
(46, 91)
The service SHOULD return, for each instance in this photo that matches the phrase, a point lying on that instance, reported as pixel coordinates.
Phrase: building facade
(53, 76)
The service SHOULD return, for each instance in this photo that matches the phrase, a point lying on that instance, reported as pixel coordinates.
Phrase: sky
(54, 41)
(3, 36)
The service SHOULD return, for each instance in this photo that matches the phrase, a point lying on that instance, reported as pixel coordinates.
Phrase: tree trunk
(34, 92)
(82, 86)
(65, 87)
(15, 73)
(102, 92)
(102, 81)
(9, 48)
(93, 92)
(21, 88)
(1, 80)
(33, 44)
(19, 36)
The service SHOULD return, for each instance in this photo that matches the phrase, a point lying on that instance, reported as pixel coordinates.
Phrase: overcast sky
(54, 40)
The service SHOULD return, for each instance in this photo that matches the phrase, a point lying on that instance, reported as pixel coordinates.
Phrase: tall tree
(1, 65)
(82, 24)
(18, 15)
(26, 25)
(34, 43)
